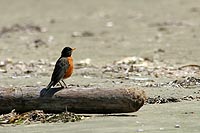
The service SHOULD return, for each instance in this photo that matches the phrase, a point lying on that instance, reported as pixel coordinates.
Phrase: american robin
(63, 68)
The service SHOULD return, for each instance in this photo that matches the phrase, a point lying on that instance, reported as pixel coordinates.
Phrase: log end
(138, 97)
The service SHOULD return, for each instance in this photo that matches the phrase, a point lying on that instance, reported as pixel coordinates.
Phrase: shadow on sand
(115, 115)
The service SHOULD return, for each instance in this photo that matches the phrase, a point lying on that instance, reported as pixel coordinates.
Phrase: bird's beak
(73, 49)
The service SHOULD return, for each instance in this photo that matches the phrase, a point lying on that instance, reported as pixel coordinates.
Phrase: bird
(63, 68)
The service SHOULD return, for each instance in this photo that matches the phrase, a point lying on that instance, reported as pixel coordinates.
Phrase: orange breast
(70, 69)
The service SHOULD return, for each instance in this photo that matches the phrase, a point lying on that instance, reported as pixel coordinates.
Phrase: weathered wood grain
(74, 99)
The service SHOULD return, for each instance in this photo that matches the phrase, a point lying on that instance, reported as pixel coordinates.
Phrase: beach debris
(130, 60)
(161, 100)
(172, 23)
(159, 50)
(38, 42)
(82, 34)
(21, 69)
(187, 82)
(36, 116)
(146, 67)
(29, 28)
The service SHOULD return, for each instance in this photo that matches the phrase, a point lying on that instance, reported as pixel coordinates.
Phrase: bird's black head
(67, 52)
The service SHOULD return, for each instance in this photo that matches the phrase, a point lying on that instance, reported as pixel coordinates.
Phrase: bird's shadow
(49, 93)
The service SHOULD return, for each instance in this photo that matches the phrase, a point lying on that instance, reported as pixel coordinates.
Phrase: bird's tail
(49, 85)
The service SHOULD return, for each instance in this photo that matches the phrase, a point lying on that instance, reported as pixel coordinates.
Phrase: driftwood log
(73, 99)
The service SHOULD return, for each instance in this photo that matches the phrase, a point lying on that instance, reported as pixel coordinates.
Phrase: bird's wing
(59, 71)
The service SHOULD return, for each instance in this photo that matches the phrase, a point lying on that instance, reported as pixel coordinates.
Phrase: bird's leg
(61, 84)
(64, 83)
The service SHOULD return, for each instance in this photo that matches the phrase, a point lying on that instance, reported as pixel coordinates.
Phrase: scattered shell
(52, 63)
(109, 24)
(76, 34)
(9, 60)
(50, 39)
(141, 79)
(137, 66)
(129, 60)
(5, 62)
(87, 77)
(140, 130)
(84, 62)
(22, 69)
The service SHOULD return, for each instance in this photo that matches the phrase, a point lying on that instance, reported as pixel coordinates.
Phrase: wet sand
(105, 32)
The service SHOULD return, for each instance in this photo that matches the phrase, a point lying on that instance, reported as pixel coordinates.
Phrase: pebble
(87, 77)
(2, 71)
(177, 126)
(140, 130)
(138, 122)
(2, 63)
(9, 60)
